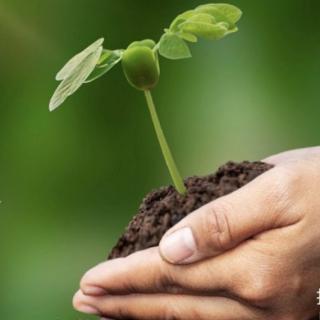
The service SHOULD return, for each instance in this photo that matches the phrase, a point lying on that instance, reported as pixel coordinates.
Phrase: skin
(254, 254)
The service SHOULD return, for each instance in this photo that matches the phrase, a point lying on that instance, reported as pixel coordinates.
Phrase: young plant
(140, 62)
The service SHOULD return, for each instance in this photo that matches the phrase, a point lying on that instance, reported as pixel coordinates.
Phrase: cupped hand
(254, 254)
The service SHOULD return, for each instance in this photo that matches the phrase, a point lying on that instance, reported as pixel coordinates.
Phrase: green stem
(174, 172)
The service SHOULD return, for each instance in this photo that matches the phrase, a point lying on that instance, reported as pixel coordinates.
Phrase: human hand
(254, 254)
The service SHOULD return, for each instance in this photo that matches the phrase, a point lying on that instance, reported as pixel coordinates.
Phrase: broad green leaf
(171, 46)
(174, 27)
(205, 30)
(77, 59)
(209, 21)
(202, 17)
(232, 13)
(187, 36)
(106, 62)
(75, 79)
(222, 12)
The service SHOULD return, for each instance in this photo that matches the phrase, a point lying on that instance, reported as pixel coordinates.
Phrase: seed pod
(140, 65)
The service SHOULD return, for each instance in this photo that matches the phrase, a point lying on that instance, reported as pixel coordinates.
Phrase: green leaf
(222, 12)
(209, 21)
(174, 27)
(202, 17)
(106, 62)
(205, 30)
(72, 64)
(171, 46)
(187, 36)
(75, 78)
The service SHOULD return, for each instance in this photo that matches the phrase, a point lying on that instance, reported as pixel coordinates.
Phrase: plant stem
(174, 172)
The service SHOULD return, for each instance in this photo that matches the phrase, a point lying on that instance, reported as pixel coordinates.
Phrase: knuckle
(281, 190)
(169, 280)
(162, 276)
(264, 287)
(122, 312)
(217, 229)
(173, 289)
(172, 311)
(261, 289)
(296, 286)
(287, 177)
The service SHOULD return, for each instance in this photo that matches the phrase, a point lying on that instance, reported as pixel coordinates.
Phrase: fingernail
(87, 309)
(178, 246)
(93, 291)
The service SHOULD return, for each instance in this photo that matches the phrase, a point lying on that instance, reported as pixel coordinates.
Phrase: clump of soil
(163, 208)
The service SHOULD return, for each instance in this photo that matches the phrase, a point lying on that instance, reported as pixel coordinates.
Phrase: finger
(228, 221)
(147, 272)
(165, 306)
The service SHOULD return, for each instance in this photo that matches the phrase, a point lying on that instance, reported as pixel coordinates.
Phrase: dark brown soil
(163, 208)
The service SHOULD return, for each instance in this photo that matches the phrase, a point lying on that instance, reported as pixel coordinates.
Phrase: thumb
(228, 221)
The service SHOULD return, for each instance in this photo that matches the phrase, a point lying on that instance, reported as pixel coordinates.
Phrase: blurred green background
(71, 180)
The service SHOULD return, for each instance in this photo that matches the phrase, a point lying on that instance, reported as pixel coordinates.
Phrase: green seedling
(140, 62)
